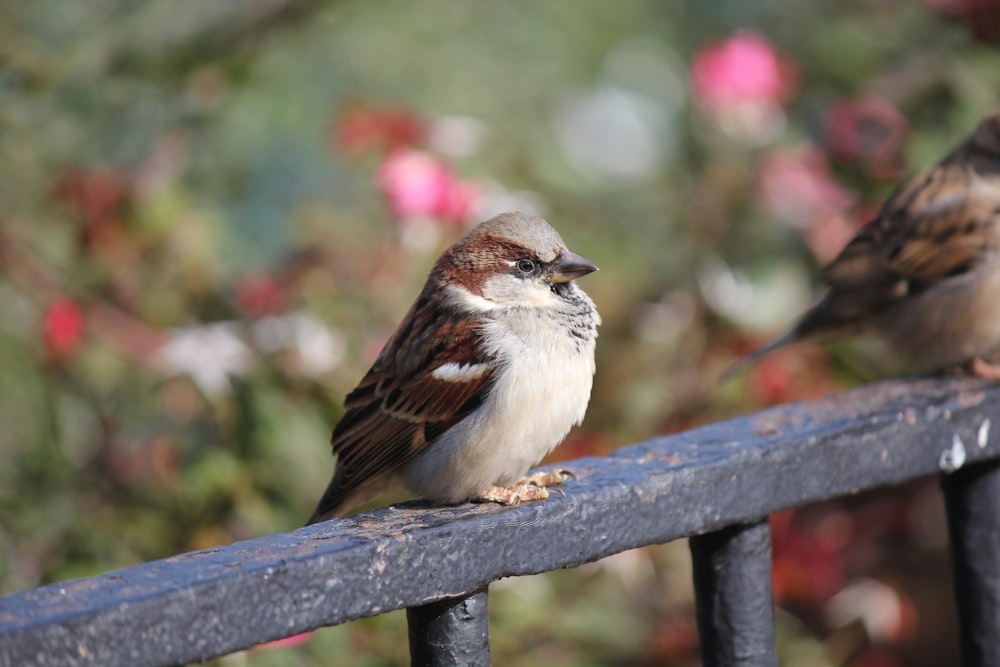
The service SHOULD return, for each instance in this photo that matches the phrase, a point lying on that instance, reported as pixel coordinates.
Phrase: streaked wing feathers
(402, 404)
(936, 228)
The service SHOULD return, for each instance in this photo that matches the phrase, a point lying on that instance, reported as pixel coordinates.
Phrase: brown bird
(485, 375)
(924, 276)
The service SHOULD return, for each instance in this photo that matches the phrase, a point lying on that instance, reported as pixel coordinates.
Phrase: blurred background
(213, 213)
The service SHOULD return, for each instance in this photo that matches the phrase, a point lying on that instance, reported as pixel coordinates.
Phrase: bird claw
(513, 495)
(547, 477)
(531, 487)
(987, 370)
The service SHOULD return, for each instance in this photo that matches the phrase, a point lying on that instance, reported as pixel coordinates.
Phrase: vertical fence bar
(972, 501)
(732, 583)
(450, 633)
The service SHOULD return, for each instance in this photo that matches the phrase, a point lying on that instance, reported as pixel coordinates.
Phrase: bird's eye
(526, 265)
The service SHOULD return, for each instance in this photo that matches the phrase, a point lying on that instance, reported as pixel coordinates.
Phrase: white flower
(209, 353)
(319, 349)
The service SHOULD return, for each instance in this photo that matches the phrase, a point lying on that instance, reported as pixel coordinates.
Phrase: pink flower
(459, 200)
(62, 328)
(868, 131)
(414, 182)
(829, 231)
(743, 68)
(419, 185)
(796, 184)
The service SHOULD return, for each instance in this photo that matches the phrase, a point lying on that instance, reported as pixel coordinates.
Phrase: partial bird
(486, 374)
(924, 276)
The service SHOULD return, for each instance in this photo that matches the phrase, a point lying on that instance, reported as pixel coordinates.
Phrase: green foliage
(172, 171)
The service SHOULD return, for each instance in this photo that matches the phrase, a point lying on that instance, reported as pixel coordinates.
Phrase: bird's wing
(433, 372)
(938, 227)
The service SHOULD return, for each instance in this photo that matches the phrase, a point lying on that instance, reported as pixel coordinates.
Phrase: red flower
(419, 185)
(807, 556)
(260, 294)
(675, 640)
(790, 375)
(868, 131)
(361, 129)
(62, 328)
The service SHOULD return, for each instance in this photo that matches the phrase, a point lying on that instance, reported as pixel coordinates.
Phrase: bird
(485, 375)
(924, 274)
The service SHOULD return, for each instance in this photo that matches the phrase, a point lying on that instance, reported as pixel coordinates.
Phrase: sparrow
(924, 275)
(486, 374)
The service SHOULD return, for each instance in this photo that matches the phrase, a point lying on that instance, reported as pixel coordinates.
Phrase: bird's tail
(335, 501)
(343, 496)
(793, 335)
(824, 322)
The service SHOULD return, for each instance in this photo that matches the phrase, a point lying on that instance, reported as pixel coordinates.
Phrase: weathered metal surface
(972, 500)
(732, 583)
(454, 632)
(206, 603)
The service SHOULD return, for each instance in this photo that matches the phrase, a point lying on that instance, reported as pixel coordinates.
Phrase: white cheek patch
(463, 298)
(454, 372)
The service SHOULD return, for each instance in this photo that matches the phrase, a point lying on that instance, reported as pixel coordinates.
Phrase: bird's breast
(541, 390)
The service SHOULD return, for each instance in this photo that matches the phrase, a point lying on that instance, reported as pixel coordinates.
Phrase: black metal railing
(716, 484)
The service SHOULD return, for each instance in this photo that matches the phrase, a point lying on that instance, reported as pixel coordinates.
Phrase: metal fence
(716, 484)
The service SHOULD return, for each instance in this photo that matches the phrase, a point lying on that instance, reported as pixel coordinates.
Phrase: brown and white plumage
(486, 374)
(925, 274)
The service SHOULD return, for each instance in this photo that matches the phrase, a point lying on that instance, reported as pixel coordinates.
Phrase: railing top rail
(198, 605)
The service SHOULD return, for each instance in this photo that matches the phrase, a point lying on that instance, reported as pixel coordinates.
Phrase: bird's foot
(987, 370)
(531, 487)
(513, 495)
(547, 478)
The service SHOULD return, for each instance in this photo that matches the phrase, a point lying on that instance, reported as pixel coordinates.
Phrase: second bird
(925, 274)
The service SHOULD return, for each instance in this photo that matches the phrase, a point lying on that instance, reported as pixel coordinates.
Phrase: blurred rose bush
(217, 228)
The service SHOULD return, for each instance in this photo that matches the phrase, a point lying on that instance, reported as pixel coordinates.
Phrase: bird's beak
(572, 266)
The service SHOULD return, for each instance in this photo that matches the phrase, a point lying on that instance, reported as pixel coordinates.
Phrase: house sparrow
(485, 375)
(925, 274)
